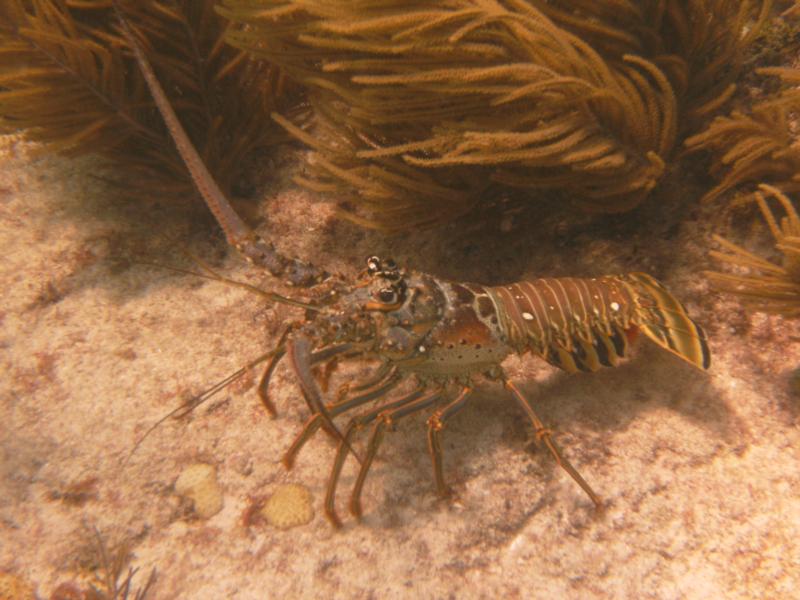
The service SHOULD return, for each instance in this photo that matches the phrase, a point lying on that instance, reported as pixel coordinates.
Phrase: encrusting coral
(768, 287)
(198, 483)
(289, 507)
(418, 107)
(67, 79)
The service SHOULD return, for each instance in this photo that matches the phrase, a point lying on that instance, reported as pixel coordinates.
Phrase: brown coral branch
(589, 97)
(769, 287)
(67, 79)
(759, 146)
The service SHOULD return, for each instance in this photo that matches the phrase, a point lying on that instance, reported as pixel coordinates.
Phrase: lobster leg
(263, 385)
(300, 356)
(383, 421)
(356, 423)
(384, 372)
(318, 356)
(544, 434)
(436, 423)
(317, 420)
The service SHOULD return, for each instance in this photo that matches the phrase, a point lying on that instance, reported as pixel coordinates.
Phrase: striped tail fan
(663, 319)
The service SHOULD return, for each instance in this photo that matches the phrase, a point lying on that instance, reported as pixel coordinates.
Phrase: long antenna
(237, 233)
(192, 403)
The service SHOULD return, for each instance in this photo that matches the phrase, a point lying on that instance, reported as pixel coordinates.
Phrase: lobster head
(387, 313)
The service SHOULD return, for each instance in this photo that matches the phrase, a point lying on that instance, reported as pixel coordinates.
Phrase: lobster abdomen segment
(583, 324)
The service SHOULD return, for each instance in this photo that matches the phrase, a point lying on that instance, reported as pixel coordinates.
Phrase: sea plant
(762, 284)
(67, 79)
(759, 145)
(420, 107)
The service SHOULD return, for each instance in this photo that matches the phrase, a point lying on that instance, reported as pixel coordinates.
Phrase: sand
(698, 471)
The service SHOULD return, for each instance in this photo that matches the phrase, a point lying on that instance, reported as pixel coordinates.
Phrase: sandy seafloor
(698, 471)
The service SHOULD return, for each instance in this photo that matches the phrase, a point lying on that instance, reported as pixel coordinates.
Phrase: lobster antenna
(214, 276)
(237, 232)
(192, 403)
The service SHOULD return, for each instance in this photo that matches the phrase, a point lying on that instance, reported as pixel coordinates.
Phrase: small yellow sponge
(289, 506)
(198, 483)
(13, 587)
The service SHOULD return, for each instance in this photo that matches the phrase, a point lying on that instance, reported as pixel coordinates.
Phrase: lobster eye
(389, 265)
(387, 296)
(373, 264)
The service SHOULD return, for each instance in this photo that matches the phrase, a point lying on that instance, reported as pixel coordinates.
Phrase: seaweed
(107, 565)
(67, 79)
(768, 286)
(419, 108)
(759, 146)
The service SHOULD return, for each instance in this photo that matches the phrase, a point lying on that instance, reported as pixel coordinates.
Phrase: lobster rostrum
(440, 334)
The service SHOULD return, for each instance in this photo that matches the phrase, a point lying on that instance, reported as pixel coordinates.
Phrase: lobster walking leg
(299, 350)
(263, 385)
(383, 421)
(544, 434)
(316, 357)
(384, 372)
(436, 423)
(317, 420)
(355, 424)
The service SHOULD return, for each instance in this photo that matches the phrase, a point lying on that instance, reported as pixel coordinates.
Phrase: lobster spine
(583, 324)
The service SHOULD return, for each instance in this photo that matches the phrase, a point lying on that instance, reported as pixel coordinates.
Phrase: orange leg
(436, 423)
(355, 425)
(385, 420)
(317, 420)
(544, 434)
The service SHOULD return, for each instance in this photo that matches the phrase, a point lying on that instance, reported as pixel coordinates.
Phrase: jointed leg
(384, 420)
(317, 420)
(356, 423)
(385, 371)
(544, 434)
(299, 349)
(316, 357)
(263, 385)
(436, 423)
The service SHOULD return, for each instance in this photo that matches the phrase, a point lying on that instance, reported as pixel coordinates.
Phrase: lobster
(441, 334)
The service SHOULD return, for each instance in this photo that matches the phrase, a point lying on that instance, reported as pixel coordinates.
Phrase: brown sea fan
(67, 80)
(420, 106)
(700, 46)
(757, 146)
(767, 286)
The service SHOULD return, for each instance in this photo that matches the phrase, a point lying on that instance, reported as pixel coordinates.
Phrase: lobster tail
(583, 324)
(663, 319)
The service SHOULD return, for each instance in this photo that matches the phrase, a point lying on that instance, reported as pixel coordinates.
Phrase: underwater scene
(399, 299)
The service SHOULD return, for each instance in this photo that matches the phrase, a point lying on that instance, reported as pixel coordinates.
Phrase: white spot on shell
(527, 316)
(614, 306)
(422, 348)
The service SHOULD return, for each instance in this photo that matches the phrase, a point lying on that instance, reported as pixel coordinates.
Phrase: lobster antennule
(667, 323)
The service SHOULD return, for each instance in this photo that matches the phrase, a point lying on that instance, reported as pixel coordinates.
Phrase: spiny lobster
(441, 333)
